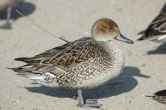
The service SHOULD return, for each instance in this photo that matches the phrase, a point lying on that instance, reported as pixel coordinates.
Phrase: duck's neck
(113, 51)
(109, 46)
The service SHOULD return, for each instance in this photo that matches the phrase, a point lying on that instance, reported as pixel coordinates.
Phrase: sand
(144, 71)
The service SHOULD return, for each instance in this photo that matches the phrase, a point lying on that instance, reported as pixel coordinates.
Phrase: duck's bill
(120, 37)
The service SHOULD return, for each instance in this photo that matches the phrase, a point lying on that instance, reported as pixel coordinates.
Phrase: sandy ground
(144, 71)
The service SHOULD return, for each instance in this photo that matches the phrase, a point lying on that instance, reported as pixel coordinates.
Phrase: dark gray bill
(120, 37)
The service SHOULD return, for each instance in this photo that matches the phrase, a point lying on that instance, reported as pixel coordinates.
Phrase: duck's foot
(91, 103)
(6, 26)
(88, 103)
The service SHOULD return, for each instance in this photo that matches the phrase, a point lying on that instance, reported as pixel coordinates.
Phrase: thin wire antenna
(40, 27)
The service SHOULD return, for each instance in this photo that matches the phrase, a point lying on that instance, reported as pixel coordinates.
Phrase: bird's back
(157, 27)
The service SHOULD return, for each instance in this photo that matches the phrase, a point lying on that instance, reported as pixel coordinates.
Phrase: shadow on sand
(103, 91)
(160, 50)
(25, 8)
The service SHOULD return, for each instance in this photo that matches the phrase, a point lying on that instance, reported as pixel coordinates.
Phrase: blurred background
(144, 73)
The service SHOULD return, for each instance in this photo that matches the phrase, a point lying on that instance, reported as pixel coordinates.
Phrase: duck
(159, 96)
(82, 64)
(156, 31)
(6, 5)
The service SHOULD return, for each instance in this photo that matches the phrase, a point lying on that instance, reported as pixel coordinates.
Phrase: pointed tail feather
(21, 59)
(142, 38)
(163, 8)
(23, 69)
(14, 69)
(159, 96)
(20, 70)
(141, 32)
(160, 99)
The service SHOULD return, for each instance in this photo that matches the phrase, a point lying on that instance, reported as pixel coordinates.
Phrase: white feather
(50, 74)
(37, 77)
(44, 79)
(162, 37)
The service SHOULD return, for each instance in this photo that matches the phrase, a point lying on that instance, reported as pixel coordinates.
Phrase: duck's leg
(7, 24)
(88, 102)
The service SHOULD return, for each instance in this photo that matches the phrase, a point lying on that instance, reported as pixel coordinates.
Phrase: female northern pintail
(83, 64)
(7, 5)
(160, 96)
(157, 29)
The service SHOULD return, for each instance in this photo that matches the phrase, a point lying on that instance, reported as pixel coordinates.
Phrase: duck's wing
(160, 96)
(156, 27)
(59, 58)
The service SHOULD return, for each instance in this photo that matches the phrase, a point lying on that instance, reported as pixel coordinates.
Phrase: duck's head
(105, 29)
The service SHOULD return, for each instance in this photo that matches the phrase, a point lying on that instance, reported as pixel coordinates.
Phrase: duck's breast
(96, 71)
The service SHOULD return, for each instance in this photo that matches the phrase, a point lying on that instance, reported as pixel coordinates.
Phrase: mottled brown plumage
(157, 27)
(82, 64)
(65, 55)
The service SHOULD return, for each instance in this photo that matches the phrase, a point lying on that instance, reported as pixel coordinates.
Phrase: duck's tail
(45, 79)
(23, 69)
(141, 32)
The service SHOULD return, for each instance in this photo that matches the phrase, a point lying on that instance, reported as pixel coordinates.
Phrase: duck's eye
(110, 28)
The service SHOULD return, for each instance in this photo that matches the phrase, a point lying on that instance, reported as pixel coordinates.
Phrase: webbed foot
(6, 26)
(88, 103)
